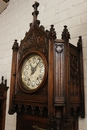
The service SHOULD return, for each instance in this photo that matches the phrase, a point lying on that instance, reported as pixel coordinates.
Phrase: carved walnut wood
(60, 100)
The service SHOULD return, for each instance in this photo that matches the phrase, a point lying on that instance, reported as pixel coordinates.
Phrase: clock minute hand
(36, 65)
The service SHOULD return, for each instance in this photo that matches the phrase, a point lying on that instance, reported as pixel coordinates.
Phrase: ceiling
(3, 5)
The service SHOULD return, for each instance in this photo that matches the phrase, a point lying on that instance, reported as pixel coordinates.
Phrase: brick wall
(14, 22)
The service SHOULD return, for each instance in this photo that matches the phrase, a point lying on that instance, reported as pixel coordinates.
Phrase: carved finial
(15, 45)
(65, 33)
(35, 13)
(52, 32)
(79, 43)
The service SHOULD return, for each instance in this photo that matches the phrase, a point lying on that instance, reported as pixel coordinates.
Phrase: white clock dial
(33, 71)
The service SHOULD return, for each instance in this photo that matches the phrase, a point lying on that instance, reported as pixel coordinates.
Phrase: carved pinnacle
(36, 12)
(52, 32)
(79, 43)
(15, 45)
(65, 33)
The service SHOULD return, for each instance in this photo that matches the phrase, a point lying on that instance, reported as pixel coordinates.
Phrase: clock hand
(36, 65)
(33, 69)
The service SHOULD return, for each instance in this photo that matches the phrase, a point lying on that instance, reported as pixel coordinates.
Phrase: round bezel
(26, 83)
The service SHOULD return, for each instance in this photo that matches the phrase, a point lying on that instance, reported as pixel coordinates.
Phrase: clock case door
(60, 100)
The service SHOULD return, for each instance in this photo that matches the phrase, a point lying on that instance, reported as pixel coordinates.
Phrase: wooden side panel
(74, 75)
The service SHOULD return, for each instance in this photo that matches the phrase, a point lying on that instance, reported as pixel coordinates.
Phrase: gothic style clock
(32, 71)
(47, 84)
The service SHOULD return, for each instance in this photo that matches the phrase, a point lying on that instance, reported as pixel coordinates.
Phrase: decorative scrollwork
(32, 110)
(35, 40)
(74, 68)
(74, 74)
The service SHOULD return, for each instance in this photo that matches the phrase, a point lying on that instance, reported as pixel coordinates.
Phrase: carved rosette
(59, 47)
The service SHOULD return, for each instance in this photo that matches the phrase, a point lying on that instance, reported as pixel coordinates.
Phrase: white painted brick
(85, 82)
(1, 21)
(79, 30)
(12, 30)
(4, 28)
(75, 2)
(84, 41)
(72, 22)
(12, 37)
(47, 14)
(85, 66)
(55, 19)
(9, 17)
(10, 127)
(42, 1)
(85, 53)
(2, 35)
(63, 6)
(85, 93)
(3, 69)
(59, 27)
(51, 3)
(12, 5)
(83, 123)
(11, 120)
(84, 18)
(77, 10)
(73, 40)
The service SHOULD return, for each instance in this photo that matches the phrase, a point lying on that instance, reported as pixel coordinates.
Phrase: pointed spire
(52, 32)
(65, 33)
(79, 43)
(15, 45)
(35, 13)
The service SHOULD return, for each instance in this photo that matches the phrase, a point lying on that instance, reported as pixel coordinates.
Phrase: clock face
(33, 72)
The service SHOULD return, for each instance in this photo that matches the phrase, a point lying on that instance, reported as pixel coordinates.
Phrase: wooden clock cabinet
(3, 97)
(47, 84)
